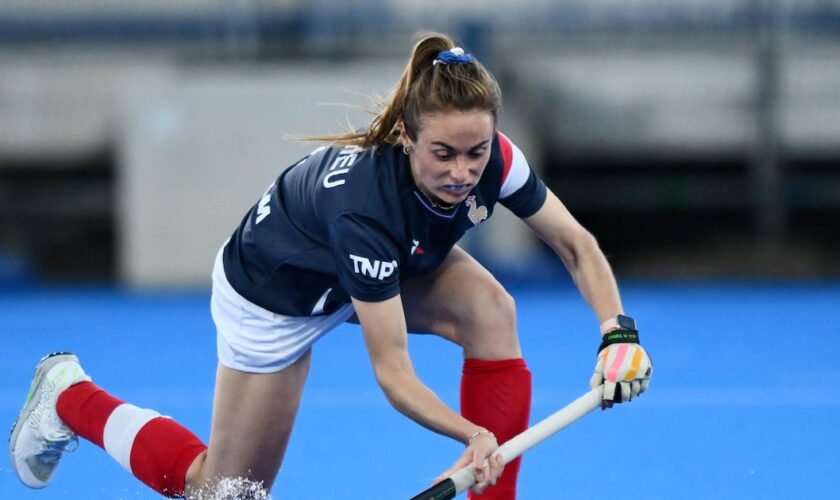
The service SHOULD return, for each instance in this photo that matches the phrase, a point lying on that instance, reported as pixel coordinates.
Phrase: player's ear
(404, 138)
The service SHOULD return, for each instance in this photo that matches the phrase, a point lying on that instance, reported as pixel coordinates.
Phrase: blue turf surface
(743, 402)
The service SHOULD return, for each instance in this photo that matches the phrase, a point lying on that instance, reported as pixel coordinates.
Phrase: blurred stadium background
(696, 139)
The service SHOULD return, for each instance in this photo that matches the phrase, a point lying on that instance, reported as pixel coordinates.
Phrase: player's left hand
(623, 367)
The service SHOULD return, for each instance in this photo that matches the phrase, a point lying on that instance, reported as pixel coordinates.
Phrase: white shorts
(255, 340)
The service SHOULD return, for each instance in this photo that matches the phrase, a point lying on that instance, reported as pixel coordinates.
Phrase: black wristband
(619, 337)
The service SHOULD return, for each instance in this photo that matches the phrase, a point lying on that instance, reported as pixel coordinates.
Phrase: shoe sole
(34, 396)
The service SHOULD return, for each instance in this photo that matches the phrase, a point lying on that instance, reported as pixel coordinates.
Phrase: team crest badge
(476, 213)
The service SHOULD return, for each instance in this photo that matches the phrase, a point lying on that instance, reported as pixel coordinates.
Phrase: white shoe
(39, 437)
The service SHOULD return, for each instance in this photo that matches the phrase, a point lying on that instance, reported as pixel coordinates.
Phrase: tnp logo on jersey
(374, 269)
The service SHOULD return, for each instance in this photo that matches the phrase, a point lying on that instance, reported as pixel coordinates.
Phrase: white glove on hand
(623, 367)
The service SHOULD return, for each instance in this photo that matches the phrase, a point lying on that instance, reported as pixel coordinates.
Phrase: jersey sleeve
(522, 191)
(367, 258)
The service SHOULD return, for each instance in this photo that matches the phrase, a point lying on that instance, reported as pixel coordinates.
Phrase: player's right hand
(485, 466)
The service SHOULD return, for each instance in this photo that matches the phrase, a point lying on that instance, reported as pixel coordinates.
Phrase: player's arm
(386, 338)
(526, 195)
(622, 365)
(581, 255)
(385, 333)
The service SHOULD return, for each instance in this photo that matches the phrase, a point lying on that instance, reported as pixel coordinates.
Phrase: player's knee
(498, 312)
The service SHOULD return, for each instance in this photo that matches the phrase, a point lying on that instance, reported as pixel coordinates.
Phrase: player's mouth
(457, 189)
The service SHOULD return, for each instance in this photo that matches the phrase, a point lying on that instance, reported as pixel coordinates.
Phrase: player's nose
(460, 172)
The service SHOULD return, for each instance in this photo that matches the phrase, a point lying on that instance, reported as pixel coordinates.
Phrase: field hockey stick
(519, 444)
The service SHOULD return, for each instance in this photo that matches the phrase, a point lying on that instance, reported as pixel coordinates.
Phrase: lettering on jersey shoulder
(373, 268)
(263, 209)
(476, 213)
(341, 165)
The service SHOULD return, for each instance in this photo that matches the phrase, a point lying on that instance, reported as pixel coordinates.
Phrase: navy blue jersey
(348, 222)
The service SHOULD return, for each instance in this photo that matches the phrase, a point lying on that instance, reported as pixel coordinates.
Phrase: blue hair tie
(453, 56)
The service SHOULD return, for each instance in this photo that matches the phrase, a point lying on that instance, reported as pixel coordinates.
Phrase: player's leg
(263, 365)
(462, 302)
(253, 416)
(252, 422)
(63, 403)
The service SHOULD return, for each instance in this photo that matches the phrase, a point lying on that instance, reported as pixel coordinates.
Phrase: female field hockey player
(361, 230)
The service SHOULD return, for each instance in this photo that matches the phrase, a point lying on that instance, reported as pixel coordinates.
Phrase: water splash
(231, 488)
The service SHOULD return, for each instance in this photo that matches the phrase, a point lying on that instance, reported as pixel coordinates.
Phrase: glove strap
(619, 337)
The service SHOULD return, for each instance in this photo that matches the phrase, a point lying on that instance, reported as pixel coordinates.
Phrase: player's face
(450, 153)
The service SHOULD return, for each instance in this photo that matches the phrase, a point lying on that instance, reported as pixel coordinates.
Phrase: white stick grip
(535, 434)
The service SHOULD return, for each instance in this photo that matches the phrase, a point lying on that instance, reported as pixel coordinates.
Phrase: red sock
(156, 449)
(497, 395)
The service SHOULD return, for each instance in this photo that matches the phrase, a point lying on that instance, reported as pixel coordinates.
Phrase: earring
(407, 149)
